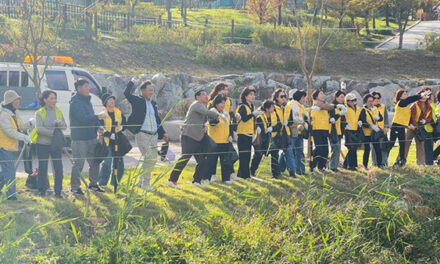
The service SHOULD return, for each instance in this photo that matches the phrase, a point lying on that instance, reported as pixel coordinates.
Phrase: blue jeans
(298, 152)
(287, 157)
(107, 168)
(336, 152)
(7, 174)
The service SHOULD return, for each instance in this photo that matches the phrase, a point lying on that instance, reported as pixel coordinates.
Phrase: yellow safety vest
(428, 127)
(381, 109)
(273, 122)
(288, 113)
(248, 127)
(352, 117)
(369, 115)
(337, 123)
(402, 115)
(320, 120)
(220, 132)
(108, 122)
(5, 141)
(43, 113)
(437, 111)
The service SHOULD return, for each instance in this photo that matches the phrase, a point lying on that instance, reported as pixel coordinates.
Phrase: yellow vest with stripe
(402, 115)
(428, 127)
(437, 111)
(337, 123)
(228, 104)
(43, 113)
(5, 141)
(108, 123)
(273, 122)
(248, 127)
(381, 109)
(352, 117)
(220, 132)
(369, 115)
(321, 120)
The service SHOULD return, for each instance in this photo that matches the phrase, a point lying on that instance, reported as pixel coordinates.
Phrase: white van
(58, 78)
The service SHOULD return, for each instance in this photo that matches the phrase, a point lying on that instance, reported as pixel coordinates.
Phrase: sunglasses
(377, 98)
(283, 96)
(354, 100)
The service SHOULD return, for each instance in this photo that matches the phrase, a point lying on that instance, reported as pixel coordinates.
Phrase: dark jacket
(83, 121)
(138, 113)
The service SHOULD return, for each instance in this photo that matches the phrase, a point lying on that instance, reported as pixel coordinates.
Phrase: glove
(258, 130)
(426, 94)
(237, 117)
(120, 128)
(135, 81)
(102, 115)
(375, 128)
(32, 122)
(222, 116)
(257, 112)
(230, 139)
(332, 120)
(269, 129)
(315, 108)
(58, 122)
(27, 140)
(306, 126)
(377, 118)
(437, 115)
(343, 112)
(360, 123)
(348, 127)
(423, 121)
(286, 123)
(341, 107)
(112, 136)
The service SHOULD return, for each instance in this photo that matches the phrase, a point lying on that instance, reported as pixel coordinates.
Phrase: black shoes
(12, 198)
(292, 174)
(96, 188)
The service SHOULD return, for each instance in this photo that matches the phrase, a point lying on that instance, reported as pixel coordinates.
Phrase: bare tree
(259, 10)
(403, 10)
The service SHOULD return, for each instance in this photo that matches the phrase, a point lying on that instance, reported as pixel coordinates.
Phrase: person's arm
(128, 93)
(363, 118)
(243, 113)
(259, 123)
(41, 129)
(324, 106)
(160, 130)
(81, 115)
(6, 126)
(204, 111)
(409, 100)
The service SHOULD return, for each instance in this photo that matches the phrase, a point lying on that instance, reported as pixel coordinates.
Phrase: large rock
(159, 81)
(432, 82)
(332, 85)
(278, 77)
(359, 86)
(299, 83)
(318, 82)
(408, 84)
(379, 82)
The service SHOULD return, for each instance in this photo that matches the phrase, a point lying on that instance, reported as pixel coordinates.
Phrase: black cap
(105, 97)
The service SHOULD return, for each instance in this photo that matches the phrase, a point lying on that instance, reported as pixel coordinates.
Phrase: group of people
(277, 128)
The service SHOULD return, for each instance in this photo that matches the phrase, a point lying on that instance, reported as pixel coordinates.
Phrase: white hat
(350, 97)
(9, 97)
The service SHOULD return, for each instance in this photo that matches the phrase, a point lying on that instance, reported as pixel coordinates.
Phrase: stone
(278, 77)
(360, 86)
(408, 83)
(432, 82)
(379, 82)
(332, 85)
(299, 83)
(159, 81)
(319, 81)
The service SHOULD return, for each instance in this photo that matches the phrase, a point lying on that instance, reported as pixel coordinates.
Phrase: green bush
(280, 37)
(385, 32)
(242, 34)
(435, 45)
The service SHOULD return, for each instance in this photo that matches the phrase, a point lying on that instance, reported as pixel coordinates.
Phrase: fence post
(206, 22)
(96, 23)
(128, 22)
(232, 31)
(159, 21)
(9, 8)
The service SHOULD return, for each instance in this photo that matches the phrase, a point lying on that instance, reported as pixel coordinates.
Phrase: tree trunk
(367, 26)
(374, 20)
(387, 15)
(170, 16)
(280, 14)
(88, 19)
(315, 13)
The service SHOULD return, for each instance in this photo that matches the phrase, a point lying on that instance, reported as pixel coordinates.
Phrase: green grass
(379, 216)
(215, 16)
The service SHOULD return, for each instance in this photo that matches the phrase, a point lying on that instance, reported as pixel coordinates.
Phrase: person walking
(193, 133)
(113, 125)
(337, 121)
(84, 125)
(384, 125)
(436, 115)
(220, 131)
(10, 134)
(246, 130)
(368, 119)
(268, 127)
(146, 125)
(48, 118)
(351, 128)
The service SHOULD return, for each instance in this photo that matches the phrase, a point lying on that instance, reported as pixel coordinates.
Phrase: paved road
(413, 38)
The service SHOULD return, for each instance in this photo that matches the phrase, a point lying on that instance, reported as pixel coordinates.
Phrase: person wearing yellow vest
(384, 125)
(320, 130)
(368, 119)
(352, 126)
(337, 121)
(221, 132)
(222, 89)
(279, 97)
(113, 125)
(10, 134)
(436, 118)
(421, 116)
(246, 130)
(268, 127)
(430, 130)
(402, 115)
(47, 118)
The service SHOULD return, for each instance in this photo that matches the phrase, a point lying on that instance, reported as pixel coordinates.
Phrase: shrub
(267, 36)
(385, 32)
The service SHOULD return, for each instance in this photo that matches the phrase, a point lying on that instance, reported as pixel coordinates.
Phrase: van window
(57, 80)
(24, 79)
(3, 77)
(14, 78)
(94, 89)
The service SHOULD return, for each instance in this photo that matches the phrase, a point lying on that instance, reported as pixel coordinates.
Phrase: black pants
(350, 161)
(320, 153)
(274, 155)
(221, 151)
(43, 153)
(190, 147)
(398, 132)
(429, 149)
(367, 149)
(436, 152)
(244, 152)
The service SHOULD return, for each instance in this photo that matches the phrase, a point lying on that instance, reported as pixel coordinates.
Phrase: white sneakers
(213, 178)
(206, 182)
(198, 184)
(173, 184)
(234, 177)
(228, 182)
